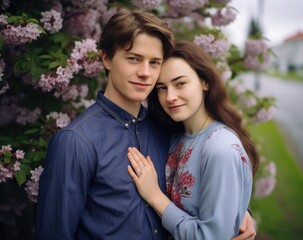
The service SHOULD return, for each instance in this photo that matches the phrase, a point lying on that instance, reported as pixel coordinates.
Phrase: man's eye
(156, 63)
(133, 59)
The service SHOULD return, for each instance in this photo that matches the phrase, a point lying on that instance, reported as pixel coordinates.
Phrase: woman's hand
(247, 229)
(145, 177)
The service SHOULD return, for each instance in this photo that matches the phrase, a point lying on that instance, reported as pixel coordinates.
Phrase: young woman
(209, 173)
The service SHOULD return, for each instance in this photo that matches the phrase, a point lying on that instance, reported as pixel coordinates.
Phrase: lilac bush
(51, 69)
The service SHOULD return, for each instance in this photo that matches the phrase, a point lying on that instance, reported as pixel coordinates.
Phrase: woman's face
(180, 91)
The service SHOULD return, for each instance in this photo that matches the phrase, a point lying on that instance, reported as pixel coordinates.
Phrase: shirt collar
(119, 113)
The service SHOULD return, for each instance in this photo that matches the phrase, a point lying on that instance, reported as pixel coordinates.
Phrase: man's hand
(247, 228)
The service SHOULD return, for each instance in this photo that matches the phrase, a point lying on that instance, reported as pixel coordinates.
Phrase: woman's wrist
(159, 202)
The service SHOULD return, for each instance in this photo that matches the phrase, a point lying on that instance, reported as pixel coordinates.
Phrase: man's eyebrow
(173, 80)
(139, 55)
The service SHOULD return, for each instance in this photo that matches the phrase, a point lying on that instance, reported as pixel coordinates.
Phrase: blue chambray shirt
(85, 191)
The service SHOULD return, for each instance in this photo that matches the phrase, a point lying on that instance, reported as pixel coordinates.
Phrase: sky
(279, 19)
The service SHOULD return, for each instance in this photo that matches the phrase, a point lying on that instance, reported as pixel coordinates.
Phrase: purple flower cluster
(256, 54)
(51, 20)
(264, 185)
(85, 56)
(223, 17)
(20, 34)
(9, 162)
(56, 80)
(265, 114)
(147, 4)
(216, 48)
(32, 185)
(184, 7)
(62, 119)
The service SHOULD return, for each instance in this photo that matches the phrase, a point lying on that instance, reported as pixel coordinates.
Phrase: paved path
(289, 114)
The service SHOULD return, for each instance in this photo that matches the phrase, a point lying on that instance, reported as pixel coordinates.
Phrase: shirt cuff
(171, 216)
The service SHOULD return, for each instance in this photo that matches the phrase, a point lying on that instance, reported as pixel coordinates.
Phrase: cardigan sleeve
(224, 193)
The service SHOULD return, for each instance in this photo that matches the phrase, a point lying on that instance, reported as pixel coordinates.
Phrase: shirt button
(134, 120)
(156, 231)
(126, 124)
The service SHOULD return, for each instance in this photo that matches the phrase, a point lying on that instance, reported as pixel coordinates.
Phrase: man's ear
(105, 61)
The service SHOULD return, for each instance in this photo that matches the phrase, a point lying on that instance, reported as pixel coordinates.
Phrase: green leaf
(31, 131)
(20, 177)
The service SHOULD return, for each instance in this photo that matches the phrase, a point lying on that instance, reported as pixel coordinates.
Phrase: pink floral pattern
(179, 180)
(240, 150)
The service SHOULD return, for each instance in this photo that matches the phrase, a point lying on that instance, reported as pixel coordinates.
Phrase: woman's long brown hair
(217, 102)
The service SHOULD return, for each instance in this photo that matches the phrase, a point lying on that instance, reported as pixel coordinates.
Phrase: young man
(85, 191)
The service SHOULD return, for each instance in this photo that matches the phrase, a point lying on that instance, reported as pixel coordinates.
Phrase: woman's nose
(171, 95)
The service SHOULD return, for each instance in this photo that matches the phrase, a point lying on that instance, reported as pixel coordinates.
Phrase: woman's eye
(161, 88)
(180, 84)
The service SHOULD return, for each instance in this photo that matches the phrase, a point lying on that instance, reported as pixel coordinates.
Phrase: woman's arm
(145, 177)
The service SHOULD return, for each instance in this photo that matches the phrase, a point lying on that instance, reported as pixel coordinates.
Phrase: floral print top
(209, 180)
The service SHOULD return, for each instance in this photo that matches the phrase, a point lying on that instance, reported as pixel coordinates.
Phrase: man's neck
(131, 107)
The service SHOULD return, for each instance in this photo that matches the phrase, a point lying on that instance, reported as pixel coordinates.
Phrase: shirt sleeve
(63, 186)
(221, 198)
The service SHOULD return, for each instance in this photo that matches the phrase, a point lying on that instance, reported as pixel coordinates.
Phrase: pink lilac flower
(271, 168)
(248, 101)
(256, 54)
(51, 20)
(79, 58)
(17, 166)
(19, 154)
(83, 103)
(18, 34)
(26, 116)
(6, 148)
(223, 17)
(264, 114)
(8, 168)
(56, 80)
(5, 173)
(62, 119)
(3, 19)
(9, 108)
(147, 4)
(32, 185)
(72, 92)
(85, 24)
(216, 48)
(92, 68)
(184, 7)
(264, 186)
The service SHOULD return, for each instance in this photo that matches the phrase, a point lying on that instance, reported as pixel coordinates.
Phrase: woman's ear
(105, 61)
(205, 86)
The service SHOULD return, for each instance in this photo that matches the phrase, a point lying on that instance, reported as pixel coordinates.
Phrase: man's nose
(144, 70)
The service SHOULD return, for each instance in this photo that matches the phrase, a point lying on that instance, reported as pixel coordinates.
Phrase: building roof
(296, 37)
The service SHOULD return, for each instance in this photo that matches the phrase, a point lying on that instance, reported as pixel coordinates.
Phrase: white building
(289, 54)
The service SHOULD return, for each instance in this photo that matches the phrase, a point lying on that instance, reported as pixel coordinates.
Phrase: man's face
(133, 73)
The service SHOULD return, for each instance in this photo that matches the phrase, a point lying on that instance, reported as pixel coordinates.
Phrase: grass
(279, 215)
(292, 76)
